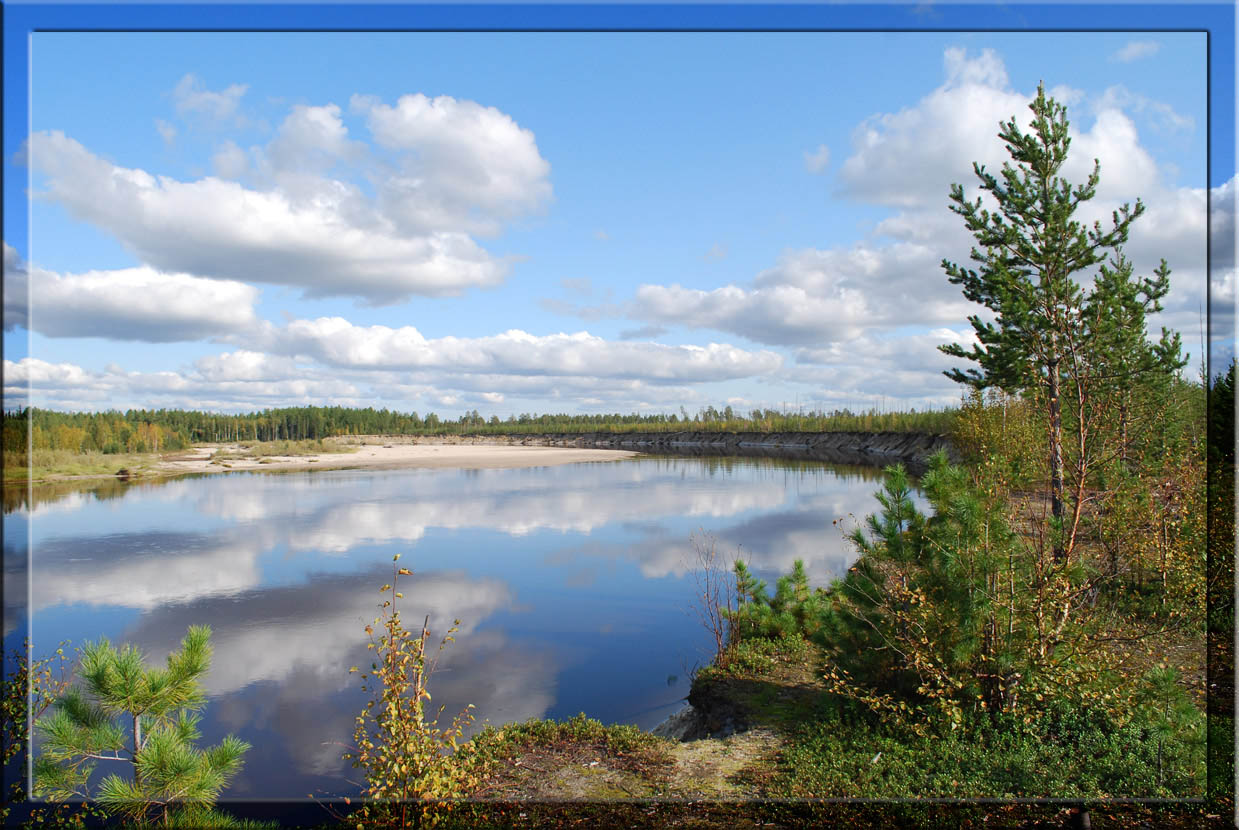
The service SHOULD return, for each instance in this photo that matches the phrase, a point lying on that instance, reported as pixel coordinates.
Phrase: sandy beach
(392, 456)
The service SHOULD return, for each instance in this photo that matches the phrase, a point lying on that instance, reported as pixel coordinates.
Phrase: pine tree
(1123, 360)
(155, 733)
(1029, 252)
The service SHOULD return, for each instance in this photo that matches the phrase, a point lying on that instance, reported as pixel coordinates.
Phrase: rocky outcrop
(862, 448)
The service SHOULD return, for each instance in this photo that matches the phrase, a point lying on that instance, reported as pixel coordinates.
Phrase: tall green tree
(1126, 366)
(145, 717)
(1028, 254)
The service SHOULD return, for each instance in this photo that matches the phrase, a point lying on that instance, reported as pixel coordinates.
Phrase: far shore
(376, 453)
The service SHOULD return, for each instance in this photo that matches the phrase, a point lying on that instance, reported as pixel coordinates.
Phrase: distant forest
(164, 430)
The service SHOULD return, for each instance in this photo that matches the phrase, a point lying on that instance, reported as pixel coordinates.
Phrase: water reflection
(292, 647)
(571, 584)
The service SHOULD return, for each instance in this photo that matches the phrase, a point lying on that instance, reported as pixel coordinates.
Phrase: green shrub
(144, 716)
(1067, 752)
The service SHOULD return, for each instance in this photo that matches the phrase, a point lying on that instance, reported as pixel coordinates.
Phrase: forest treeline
(165, 430)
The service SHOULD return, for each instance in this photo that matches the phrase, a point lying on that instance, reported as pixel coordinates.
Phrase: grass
(760, 657)
(270, 449)
(618, 740)
(832, 748)
(576, 758)
(43, 464)
(1067, 753)
(46, 464)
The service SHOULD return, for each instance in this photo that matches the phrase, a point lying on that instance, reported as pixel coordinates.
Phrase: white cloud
(908, 160)
(31, 370)
(127, 304)
(1135, 50)
(243, 365)
(911, 157)
(166, 131)
(330, 361)
(1222, 279)
(458, 158)
(219, 384)
(815, 296)
(191, 96)
(818, 160)
(230, 161)
(333, 244)
(16, 289)
(1162, 115)
(337, 342)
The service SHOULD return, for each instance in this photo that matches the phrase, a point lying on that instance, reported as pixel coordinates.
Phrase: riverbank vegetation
(41, 445)
(1041, 632)
(154, 431)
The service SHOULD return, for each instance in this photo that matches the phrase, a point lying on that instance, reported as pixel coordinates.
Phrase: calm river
(573, 584)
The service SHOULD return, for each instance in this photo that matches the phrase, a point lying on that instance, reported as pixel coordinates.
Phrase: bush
(410, 762)
(1068, 752)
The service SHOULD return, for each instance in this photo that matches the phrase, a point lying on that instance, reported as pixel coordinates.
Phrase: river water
(573, 584)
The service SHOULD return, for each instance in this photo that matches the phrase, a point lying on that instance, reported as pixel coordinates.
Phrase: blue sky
(573, 221)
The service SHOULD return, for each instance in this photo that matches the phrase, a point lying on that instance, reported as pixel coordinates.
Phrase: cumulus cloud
(166, 131)
(449, 169)
(219, 229)
(818, 160)
(192, 97)
(462, 165)
(126, 304)
(643, 333)
(334, 362)
(907, 160)
(907, 368)
(1162, 115)
(230, 161)
(1135, 50)
(16, 290)
(1222, 278)
(69, 386)
(245, 365)
(337, 342)
(815, 296)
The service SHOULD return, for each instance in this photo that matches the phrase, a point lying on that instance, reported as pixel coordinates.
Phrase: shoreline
(529, 450)
(393, 455)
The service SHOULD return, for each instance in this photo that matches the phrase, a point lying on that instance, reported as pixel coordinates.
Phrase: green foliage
(198, 817)
(155, 734)
(621, 739)
(1029, 249)
(919, 620)
(758, 656)
(1001, 437)
(410, 762)
(1171, 719)
(1069, 751)
(1084, 357)
(793, 610)
(171, 429)
(26, 693)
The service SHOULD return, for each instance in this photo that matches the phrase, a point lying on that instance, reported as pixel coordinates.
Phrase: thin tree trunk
(1056, 457)
(137, 746)
(1123, 431)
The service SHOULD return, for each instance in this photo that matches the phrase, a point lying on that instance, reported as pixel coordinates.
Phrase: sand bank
(392, 456)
